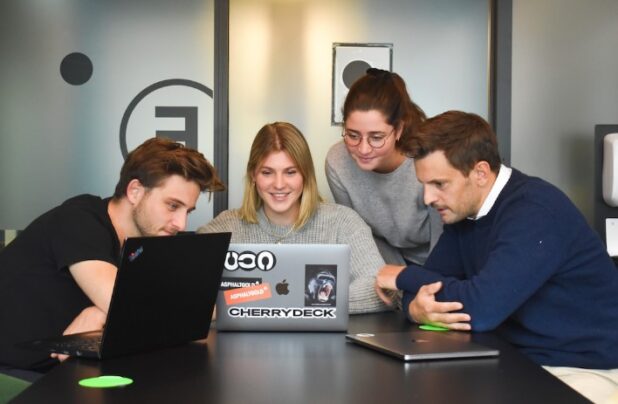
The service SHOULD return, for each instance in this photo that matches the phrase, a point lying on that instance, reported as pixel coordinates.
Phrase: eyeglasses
(374, 140)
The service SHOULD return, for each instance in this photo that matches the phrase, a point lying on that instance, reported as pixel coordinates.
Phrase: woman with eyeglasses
(281, 204)
(367, 171)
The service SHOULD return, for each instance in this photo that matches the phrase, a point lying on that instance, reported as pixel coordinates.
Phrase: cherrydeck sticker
(283, 312)
(248, 294)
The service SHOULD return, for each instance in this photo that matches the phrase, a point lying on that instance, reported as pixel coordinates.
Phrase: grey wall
(565, 81)
(281, 62)
(57, 139)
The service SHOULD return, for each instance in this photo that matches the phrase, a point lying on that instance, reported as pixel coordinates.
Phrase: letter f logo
(187, 136)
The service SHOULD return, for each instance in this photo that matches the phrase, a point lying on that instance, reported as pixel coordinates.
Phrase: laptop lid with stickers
(284, 287)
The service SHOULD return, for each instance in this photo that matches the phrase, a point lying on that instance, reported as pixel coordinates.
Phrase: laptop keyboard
(82, 343)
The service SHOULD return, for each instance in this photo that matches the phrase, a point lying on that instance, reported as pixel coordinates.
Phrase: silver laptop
(420, 345)
(284, 287)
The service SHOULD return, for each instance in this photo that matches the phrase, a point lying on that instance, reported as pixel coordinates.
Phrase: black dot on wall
(76, 68)
(353, 71)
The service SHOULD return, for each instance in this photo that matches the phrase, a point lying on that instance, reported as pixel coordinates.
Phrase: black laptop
(164, 295)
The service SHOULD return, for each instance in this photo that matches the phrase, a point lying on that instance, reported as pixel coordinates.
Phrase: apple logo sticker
(282, 288)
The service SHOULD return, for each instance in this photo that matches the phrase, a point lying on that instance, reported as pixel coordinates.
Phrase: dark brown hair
(464, 138)
(386, 92)
(157, 159)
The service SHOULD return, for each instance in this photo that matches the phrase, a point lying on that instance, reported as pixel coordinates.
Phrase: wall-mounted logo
(177, 103)
(249, 260)
(161, 108)
(76, 68)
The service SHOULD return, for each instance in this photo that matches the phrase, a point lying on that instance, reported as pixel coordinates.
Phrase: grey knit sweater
(391, 204)
(331, 224)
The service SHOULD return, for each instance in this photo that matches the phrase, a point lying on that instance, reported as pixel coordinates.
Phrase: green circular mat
(105, 382)
(428, 327)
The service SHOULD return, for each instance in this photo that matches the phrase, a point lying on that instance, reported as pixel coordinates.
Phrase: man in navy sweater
(516, 256)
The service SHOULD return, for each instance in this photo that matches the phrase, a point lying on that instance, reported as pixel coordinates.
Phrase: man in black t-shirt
(57, 276)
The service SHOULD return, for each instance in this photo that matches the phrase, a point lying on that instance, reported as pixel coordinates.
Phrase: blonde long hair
(275, 137)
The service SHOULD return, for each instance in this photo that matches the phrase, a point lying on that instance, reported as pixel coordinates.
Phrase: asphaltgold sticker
(248, 294)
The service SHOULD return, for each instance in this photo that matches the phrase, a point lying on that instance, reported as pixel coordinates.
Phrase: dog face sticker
(321, 285)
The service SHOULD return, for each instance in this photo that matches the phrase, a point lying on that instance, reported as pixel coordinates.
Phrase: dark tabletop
(261, 367)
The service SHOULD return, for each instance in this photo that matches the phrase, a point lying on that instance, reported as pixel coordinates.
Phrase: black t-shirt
(38, 296)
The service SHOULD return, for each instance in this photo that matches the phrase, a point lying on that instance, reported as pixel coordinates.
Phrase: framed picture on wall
(351, 61)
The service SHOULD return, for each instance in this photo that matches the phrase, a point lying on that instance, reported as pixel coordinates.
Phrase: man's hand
(386, 282)
(424, 309)
(90, 319)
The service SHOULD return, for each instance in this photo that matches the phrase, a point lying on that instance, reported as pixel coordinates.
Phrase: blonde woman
(281, 204)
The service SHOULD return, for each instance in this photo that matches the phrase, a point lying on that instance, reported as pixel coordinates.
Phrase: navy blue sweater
(534, 271)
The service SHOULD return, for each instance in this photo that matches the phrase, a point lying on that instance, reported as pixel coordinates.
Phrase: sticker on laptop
(249, 261)
(248, 294)
(235, 283)
(283, 312)
(133, 256)
(321, 285)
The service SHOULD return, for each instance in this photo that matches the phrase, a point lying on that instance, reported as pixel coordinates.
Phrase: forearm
(96, 279)
(363, 297)
(90, 319)
(365, 264)
(413, 277)
(406, 299)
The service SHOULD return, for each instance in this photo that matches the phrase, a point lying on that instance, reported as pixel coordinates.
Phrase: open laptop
(164, 295)
(420, 345)
(284, 287)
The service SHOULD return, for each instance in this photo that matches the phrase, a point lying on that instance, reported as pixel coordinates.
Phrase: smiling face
(279, 184)
(163, 210)
(453, 195)
(368, 124)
